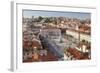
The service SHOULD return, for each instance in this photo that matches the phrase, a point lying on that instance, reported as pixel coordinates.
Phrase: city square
(56, 36)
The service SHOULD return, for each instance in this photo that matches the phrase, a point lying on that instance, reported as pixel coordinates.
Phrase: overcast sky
(78, 15)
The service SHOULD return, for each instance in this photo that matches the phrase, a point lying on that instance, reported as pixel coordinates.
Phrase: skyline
(36, 13)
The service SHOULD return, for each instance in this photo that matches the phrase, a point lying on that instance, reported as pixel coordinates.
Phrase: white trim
(13, 37)
(55, 4)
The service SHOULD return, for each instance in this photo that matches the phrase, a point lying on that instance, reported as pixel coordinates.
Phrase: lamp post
(79, 34)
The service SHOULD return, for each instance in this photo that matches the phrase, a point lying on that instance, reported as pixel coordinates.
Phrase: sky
(78, 15)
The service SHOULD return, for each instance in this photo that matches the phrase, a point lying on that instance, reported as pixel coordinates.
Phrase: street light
(79, 34)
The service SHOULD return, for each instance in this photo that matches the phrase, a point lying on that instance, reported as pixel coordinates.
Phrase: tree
(40, 18)
(47, 20)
